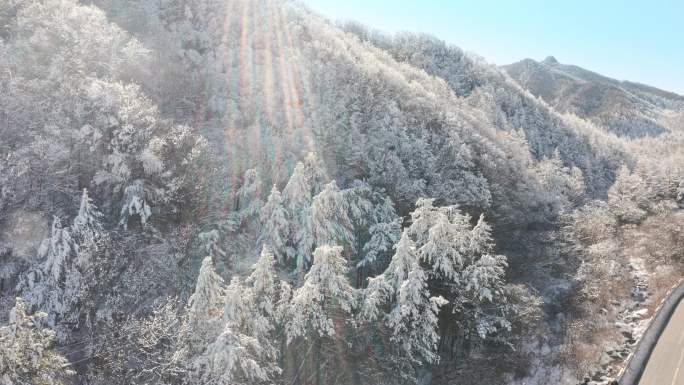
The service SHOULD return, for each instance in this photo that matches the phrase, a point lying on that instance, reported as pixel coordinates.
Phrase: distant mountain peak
(550, 60)
(625, 108)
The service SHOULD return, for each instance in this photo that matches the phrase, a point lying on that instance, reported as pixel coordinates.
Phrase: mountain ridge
(624, 107)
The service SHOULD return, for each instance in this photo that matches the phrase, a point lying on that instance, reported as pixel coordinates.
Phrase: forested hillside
(242, 192)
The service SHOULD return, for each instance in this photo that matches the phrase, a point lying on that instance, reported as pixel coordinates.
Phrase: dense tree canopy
(240, 192)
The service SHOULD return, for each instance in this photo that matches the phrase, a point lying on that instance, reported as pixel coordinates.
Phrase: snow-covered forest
(243, 192)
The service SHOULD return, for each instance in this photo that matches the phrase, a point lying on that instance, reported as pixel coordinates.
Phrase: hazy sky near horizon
(641, 41)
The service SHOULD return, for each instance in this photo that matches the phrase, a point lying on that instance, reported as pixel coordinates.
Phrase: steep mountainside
(201, 192)
(506, 106)
(625, 108)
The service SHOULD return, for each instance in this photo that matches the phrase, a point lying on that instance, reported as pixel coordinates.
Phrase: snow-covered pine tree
(359, 198)
(56, 250)
(628, 196)
(222, 359)
(207, 297)
(80, 274)
(440, 247)
(65, 275)
(297, 199)
(297, 193)
(305, 182)
(204, 308)
(87, 223)
(282, 306)
(262, 282)
(26, 354)
(412, 311)
(384, 233)
(413, 322)
(275, 227)
(318, 315)
(305, 241)
(330, 219)
(459, 257)
(233, 358)
(42, 285)
(244, 351)
(261, 324)
(326, 291)
(381, 289)
(403, 261)
(248, 195)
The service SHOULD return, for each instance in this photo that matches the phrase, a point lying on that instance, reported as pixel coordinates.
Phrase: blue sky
(640, 41)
